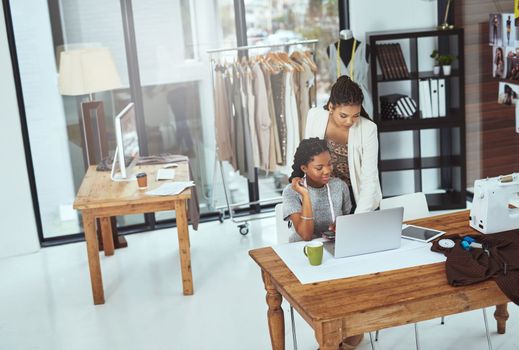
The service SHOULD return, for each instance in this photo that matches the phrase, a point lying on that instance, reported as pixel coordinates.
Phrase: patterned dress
(339, 154)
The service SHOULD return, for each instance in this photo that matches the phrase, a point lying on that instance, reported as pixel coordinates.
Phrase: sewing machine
(495, 206)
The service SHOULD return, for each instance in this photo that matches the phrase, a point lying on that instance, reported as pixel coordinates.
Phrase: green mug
(314, 252)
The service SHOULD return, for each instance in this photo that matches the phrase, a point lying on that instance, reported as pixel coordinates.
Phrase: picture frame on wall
(512, 64)
(508, 29)
(508, 93)
(499, 63)
(495, 29)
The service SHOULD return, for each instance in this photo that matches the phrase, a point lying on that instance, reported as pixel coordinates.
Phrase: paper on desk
(171, 188)
(410, 254)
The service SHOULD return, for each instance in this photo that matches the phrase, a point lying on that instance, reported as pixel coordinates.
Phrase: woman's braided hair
(345, 92)
(307, 149)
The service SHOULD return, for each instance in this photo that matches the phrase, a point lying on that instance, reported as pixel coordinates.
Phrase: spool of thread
(465, 245)
(468, 239)
(476, 245)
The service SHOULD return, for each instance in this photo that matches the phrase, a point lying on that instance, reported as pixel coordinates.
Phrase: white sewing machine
(495, 207)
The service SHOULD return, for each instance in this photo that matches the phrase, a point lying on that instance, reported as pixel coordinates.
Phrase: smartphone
(329, 234)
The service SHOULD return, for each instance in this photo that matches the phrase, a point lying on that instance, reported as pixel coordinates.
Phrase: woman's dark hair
(307, 149)
(345, 92)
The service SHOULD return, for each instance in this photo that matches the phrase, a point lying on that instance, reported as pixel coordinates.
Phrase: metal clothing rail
(243, 225)
(250, 47)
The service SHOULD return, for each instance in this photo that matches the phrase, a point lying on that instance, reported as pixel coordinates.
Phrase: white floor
(46, 302)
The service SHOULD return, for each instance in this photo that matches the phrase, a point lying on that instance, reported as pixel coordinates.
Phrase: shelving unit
(450, 158)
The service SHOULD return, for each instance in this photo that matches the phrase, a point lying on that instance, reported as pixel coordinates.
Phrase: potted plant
(436, 55)
(445, 61)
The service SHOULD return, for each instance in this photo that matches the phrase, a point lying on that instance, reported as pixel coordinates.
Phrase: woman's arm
(303, 221)
(369, 185)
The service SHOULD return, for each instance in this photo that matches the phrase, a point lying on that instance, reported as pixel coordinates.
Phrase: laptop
(366, 233)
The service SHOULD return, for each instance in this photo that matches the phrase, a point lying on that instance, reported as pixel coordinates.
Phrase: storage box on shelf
(444, 112)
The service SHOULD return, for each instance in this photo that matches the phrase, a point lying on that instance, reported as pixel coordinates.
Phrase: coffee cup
(314, 252)
(142, 181)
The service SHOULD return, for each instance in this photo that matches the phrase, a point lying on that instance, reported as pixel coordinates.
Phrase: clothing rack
(243, 225)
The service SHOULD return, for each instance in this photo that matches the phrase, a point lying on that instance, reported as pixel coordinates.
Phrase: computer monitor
(127, 150)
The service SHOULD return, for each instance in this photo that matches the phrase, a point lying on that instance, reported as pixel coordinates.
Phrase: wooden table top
(98, 190)
(383, 299)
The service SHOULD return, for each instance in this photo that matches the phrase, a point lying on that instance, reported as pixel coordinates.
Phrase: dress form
(353, 60)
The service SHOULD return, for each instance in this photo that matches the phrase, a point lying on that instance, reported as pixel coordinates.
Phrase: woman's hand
(298, 186)
(331, 228)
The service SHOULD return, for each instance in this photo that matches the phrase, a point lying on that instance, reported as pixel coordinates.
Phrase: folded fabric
(498, 259)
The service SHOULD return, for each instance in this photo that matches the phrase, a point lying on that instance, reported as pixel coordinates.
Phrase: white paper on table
(410, 254)
(171, 188)
(165, 174)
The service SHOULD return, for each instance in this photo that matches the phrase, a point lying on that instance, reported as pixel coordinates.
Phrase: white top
(360, 73)
(362, 157)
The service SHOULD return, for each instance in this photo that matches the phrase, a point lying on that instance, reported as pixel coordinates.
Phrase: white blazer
(362, 157)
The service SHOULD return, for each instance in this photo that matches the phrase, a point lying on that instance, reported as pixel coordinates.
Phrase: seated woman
(314, 199)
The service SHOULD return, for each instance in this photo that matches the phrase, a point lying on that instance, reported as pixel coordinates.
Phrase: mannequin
(346, 37)
(352, 59)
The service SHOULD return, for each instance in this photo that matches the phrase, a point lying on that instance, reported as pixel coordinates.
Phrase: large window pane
(273, 22)
(53, 120)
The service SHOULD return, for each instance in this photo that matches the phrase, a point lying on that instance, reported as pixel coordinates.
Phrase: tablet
(421, 234)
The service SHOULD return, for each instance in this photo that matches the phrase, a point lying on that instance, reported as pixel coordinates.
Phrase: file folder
(442, 98)
(434, 97)
(425, 99)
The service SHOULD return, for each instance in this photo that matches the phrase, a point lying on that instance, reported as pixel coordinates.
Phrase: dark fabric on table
(501, 263)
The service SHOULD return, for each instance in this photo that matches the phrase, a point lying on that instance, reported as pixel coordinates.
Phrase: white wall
(45, 114)
(378, 15)
(18, 226)
(369, 16)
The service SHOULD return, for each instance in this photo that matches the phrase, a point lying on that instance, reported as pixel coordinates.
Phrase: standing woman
(352, 140)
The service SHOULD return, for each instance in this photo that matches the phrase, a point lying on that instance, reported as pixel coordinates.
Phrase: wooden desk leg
(106, 231)
(501, 315)
(275, 315)
(94, 264)
(183, 247)
(329, 335)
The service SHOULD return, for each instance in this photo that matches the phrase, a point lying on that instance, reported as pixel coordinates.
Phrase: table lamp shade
(86, 71)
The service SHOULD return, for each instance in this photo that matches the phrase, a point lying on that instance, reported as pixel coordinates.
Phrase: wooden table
(100, 197)
(340, 308)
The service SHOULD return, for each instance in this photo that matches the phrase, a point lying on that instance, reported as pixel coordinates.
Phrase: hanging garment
(249, 161)
(277, 81)
(229, 92)
(262, 115)
(305, 82)
(292, 124)
(251, 109)
(274, 144)
(223, 118)
(360, 73)
(239, 136)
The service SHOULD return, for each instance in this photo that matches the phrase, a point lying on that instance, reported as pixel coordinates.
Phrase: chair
(282, 230)
(415, 207)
